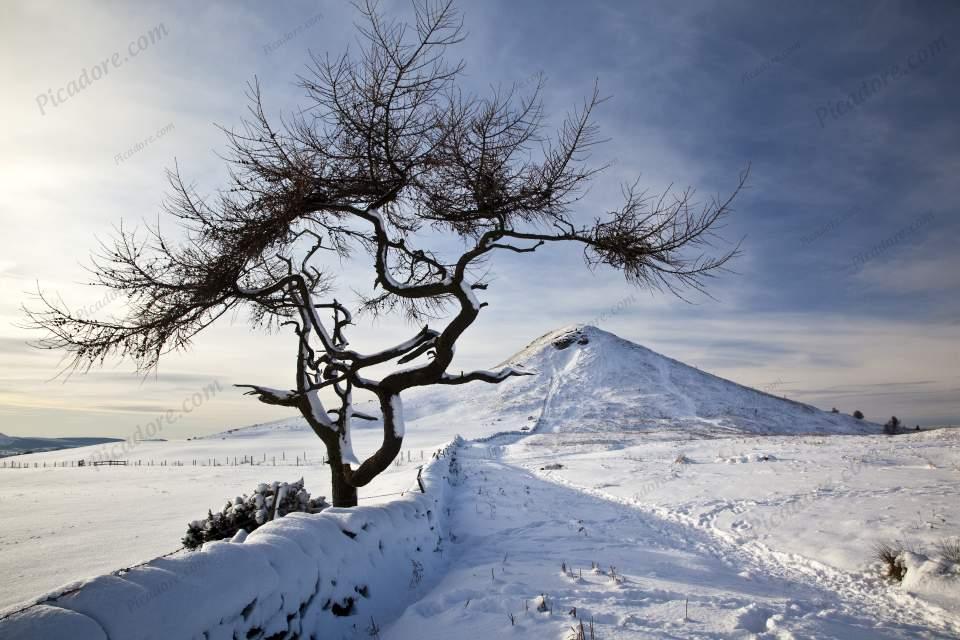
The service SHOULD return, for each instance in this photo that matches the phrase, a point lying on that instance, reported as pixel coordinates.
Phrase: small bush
(949, 550)
(834, 410)
(892, 426)
(858, 414)
(249, 512)
(888, 554)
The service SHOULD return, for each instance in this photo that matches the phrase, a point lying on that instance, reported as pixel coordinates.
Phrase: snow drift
(935, 580)
(335, 572)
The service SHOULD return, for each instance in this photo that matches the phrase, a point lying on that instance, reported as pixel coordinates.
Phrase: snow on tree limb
(485, 376)
(271, 396)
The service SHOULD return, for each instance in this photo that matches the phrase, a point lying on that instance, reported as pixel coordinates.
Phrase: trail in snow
(688, 406)
(514, 529)
(542, 418)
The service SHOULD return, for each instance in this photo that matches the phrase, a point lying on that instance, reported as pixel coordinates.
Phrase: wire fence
(262, 460)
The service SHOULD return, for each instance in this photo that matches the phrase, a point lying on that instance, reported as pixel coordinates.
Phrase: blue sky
(847, 292)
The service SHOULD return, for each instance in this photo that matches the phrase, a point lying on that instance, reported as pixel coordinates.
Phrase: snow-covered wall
(331, 574)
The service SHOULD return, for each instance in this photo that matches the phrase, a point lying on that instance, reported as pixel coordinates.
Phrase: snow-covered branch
(271, 396)
(493, 377)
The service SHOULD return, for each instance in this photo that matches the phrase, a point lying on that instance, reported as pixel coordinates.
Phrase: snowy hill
(592, 381)
(12, 445)
(272, 428)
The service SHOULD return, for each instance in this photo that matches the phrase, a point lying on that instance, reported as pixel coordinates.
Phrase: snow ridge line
(329, 573)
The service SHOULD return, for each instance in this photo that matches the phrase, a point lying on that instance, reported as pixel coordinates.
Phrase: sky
(846, 294)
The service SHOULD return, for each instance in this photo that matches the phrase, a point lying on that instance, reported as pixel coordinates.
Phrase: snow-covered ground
(646, 548)
(754, 514)
(100, 519)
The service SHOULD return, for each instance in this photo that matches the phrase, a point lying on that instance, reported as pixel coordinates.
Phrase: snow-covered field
(765, 535)
(618, 487)
(656, 549)
(100, 519)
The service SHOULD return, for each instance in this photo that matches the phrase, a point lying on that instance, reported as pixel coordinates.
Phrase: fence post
(420, 480)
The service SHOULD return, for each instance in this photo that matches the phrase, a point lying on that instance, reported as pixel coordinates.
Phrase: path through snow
(515, 529)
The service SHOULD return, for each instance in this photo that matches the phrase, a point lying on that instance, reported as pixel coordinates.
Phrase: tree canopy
(386, 153)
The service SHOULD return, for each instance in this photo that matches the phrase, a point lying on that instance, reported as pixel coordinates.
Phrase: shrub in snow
(949, 551)
(858, 414)
(834, 410)
(246, 513)
(890, 556)
(891, 426)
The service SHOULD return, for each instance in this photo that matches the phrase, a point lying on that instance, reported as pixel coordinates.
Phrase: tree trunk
(343, 493)
(392, 411)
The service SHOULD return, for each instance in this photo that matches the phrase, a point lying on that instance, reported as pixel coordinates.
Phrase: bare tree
(387, 154)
